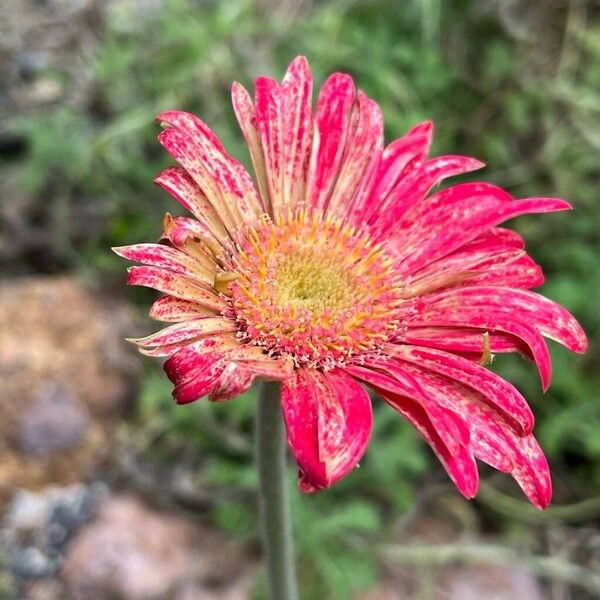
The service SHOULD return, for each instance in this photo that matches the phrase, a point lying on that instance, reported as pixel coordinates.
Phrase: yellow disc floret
(313, 289)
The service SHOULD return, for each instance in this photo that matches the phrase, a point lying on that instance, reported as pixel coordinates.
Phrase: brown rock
(135, 553)
(65, 378)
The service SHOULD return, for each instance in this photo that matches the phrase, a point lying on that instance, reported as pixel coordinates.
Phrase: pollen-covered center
(315, 290)
(312, 280)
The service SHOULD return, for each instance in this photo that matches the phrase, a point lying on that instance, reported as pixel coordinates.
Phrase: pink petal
(175, 285)
(233, 381)
(332, 121)
(498, 236)
(550, 318)
(460, 464)
(412, 189)
(427, 230)
(223, 195)
(360, 164)
(172, 309)
(269, 125)
(255, 359)
(462, 339)
(184, 189)
(204, 368)
(498, 393)
(385, 376)
(194, 374)
(328, 418)
(187, 330)
(246, 116)
(490, 320)
(492, 439)
(165, 257)
(230, 175)
(487, 259)
(413, 147)
(297, 130)
(522, 272)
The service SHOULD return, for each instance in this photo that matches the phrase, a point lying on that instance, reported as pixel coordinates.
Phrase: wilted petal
(186, 330)
(246, 116)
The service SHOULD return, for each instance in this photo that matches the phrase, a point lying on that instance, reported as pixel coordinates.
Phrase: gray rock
(133, 552)
(55, 422)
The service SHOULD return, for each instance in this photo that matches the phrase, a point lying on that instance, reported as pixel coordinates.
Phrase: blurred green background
(514, 83)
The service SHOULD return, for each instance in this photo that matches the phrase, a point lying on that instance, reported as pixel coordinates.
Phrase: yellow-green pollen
(313, 289)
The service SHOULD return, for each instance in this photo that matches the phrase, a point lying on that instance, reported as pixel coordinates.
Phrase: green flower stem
(275, 510)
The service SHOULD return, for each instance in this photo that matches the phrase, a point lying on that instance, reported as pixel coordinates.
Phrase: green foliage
(526, 104)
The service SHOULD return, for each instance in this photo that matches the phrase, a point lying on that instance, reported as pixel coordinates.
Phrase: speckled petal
(328, 418)
(332, 122)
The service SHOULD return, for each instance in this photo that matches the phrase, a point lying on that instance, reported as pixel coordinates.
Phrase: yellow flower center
(315, 290)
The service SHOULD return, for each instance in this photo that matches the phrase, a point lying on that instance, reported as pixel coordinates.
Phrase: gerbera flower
(334, 269)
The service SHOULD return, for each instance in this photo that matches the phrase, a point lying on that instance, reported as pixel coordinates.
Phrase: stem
(275, 511)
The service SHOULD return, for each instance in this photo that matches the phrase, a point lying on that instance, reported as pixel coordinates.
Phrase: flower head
(336, 268)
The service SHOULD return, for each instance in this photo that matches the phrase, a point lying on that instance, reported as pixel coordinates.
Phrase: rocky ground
(67, 381)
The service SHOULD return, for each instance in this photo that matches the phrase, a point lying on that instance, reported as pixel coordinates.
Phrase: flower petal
(162, 256)
(194, 374)
(328, 418)
(185, 331)
(184, 189)
(297, 130)
(462, 339)
(233, 381)
(550, 318)
(429, 231)
(359, 167)
(411, 148)
(492, 319)
(487, 259)
(411, 189)
(230, 175)
(497, 392)
(332, 122)
(385, 376)
(492, 439)
(175, 285)
(269, 126)
(222, 193)
(246, 116)
(459, 463)
(174, 310)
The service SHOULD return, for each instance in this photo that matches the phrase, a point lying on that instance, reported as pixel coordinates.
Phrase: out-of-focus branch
(555, 568)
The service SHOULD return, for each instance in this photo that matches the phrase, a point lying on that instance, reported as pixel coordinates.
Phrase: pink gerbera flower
(335, 269)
